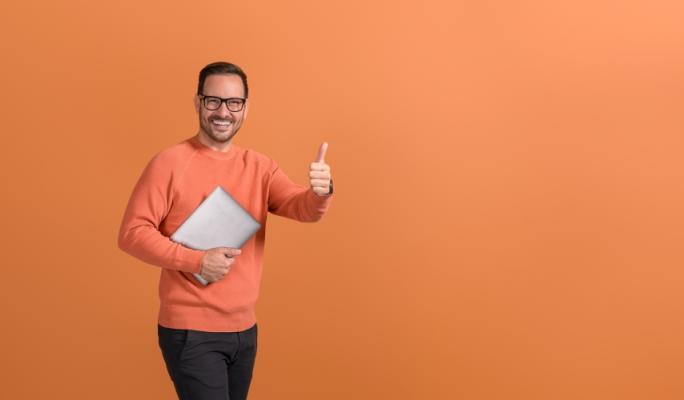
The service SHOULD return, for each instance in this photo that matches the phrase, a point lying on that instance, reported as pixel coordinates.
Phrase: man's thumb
(321, 152)
(230, 252)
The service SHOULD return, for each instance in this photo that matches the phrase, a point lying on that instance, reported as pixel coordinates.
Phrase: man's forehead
(219, 84)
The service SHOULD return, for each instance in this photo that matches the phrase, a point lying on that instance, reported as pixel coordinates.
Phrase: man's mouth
(221, 122)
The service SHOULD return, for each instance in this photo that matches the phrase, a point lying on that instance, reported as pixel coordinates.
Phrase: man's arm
(139, 233)
(294, 201)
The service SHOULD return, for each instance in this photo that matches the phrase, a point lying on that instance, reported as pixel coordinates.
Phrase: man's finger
(320, 182)
(230, 252)
(319, 174)
(316, 166)
(321, 152)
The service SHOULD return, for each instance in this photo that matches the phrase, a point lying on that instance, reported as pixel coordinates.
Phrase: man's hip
(209, 365)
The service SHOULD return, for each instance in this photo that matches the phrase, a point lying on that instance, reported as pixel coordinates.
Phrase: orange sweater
(172, 185)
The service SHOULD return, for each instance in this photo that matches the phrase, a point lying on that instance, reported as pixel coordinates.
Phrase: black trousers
(209, 365)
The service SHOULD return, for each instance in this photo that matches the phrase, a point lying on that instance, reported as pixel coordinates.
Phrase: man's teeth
(221, 122)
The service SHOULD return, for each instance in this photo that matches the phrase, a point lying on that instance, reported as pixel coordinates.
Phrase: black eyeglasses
(213, 103)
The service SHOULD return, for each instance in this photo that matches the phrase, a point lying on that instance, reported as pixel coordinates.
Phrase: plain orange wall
(509, 194)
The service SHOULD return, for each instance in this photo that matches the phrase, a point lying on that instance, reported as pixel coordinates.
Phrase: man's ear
(196, 101)
(244, 114)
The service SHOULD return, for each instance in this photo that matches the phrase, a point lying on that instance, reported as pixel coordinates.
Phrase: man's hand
(216, 262)
(319, 173)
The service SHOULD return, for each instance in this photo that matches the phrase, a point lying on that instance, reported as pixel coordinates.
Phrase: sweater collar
(208, 151)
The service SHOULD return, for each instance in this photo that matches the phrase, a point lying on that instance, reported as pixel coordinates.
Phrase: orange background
(509, 194)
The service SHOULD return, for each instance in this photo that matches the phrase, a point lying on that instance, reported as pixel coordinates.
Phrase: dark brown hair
(221, 67)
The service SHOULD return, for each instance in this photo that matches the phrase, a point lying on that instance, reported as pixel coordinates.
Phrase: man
(208, 334)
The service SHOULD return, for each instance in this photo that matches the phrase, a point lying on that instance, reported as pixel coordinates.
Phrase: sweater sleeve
(290, 200)
(139, 233)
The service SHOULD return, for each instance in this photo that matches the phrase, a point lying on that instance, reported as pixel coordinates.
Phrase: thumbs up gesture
(319, 173)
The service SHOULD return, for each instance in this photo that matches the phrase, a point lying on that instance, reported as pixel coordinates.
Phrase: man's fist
(319, 173)
(216, 263)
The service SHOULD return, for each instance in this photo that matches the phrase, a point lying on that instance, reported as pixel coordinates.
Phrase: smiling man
(208, 334)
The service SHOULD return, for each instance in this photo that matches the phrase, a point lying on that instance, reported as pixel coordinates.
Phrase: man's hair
(218, 68)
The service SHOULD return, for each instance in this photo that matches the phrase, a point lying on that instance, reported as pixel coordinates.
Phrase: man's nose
(223, 109)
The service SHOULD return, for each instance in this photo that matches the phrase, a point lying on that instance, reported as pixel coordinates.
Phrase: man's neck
(207, 141)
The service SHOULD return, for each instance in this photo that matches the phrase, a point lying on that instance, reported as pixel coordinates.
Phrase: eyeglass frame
(204, 104)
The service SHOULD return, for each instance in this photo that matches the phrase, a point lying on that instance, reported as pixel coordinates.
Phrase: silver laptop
(218, 222)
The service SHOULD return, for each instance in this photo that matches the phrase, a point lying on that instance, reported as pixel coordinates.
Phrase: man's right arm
(139, 233)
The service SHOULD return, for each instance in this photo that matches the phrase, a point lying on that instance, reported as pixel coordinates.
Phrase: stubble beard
(207, 128)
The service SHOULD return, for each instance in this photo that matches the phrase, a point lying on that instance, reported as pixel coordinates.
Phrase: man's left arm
(300, 203)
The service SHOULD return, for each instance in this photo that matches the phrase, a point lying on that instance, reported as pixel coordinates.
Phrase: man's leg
(240, 366)
(196, 363)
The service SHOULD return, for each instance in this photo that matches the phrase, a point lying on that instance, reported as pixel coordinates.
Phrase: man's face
(222, 124)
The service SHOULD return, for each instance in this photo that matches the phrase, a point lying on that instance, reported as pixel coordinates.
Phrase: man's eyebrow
(225, 98)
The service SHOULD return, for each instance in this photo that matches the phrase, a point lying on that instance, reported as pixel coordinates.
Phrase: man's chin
(221, 137)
